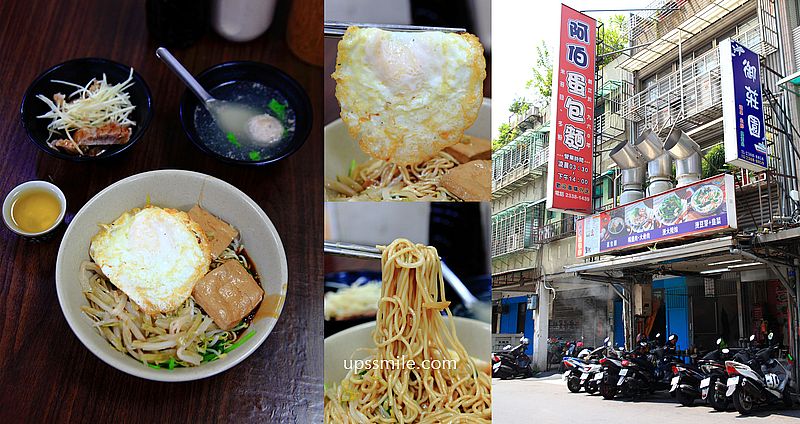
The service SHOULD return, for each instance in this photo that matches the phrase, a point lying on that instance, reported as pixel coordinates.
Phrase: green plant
(714, 162)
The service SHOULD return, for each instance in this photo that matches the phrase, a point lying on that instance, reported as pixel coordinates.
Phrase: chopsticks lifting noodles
(352, 250)
(337, 29)
(370, 252)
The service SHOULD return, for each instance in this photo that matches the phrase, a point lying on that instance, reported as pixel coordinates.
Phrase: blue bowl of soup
(260, 86)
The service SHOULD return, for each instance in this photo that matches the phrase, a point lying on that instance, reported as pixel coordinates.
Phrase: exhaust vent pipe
(688, 170)
(679, 145)
(626, 156)
(632, 185)
(649, 145)
(629, 160)
(659, 173)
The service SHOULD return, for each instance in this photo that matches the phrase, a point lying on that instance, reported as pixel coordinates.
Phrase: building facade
(731, 284)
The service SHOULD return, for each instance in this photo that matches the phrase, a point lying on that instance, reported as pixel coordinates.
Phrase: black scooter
(609, 374)
(648, 370)
(693, 382)
(512, 362)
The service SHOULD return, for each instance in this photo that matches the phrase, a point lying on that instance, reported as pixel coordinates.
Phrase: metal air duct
(679, 145)
(659, 174)
(629, 160)
(632, 185)
(649, 145)
(626, 156)
(688, 171)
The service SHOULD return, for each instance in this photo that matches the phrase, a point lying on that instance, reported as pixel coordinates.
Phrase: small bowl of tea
(34, 209)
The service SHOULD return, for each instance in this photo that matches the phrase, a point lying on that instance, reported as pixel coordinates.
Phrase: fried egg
(405, 96)
(154, 255)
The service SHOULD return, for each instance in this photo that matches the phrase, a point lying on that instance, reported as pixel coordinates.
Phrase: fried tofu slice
(470, 148)
(220, 234)
(227, 294)
(471, 182)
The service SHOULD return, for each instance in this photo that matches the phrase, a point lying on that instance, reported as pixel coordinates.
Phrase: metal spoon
(231, 117)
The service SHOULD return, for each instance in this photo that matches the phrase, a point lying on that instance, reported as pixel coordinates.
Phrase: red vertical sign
(569, 170)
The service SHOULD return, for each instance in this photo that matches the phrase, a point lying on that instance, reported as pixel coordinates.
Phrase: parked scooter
(692, 382)
(582, 368)
(512, 362)
(649, 369)
(761, 380)
(608, 376)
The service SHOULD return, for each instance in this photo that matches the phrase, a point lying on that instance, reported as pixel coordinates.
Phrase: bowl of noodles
(384, 371)
(344, 157)
(177, 333)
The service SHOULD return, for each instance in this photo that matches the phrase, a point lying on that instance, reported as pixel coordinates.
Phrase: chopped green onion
(255, 155)
(352, 169)
(278, 108)
(240, 341)
(232, 139)
(171, 363)
(154, 366)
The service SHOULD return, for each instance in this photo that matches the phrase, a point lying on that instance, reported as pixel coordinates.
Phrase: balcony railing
(553, 231)
(518, 162)
(515, 229)
(661, 17)
(686, 98)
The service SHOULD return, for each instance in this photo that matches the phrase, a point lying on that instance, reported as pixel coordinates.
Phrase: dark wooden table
(46, 374)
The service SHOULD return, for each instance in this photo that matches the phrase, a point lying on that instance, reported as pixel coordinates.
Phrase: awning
(696, 23)
(684, 254)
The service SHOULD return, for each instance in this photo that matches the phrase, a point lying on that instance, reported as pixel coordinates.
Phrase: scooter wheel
(684, 398)
(787, 399)
(574, 385)
(607, 391)
(717, 400)
(743, 403)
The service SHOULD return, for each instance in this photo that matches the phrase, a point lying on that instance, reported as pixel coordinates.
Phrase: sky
(518, 26)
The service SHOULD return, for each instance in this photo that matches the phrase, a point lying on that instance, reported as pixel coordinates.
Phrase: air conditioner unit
(796, 44)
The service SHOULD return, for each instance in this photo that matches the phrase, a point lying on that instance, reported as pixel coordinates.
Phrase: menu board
(704, 207)
(569, 169)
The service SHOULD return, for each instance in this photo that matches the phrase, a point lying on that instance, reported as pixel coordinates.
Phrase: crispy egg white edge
(184, 290)
(420, 123)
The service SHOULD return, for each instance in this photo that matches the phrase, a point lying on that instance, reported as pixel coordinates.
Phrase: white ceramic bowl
(341, 149)
(474, 335)
(180, 190)
(15, 193)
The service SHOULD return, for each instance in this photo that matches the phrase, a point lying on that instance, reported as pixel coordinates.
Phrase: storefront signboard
(569, 170)
(707, 206)
(742, 106)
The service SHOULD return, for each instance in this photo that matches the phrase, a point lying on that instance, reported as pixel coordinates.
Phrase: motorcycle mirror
(794, 195)
(719, 341)
(770, 335)
(726, 350)
(672, 337)
(752, 337)
(658, 335)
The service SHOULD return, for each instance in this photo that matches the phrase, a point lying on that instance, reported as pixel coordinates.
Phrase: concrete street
(547, 400)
